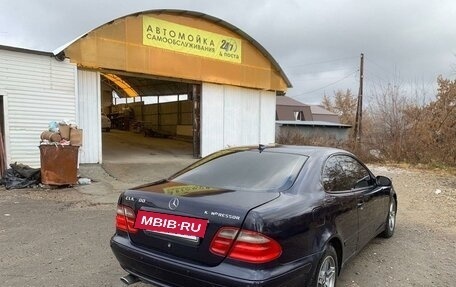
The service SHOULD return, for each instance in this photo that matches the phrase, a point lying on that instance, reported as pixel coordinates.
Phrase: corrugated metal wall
(89, 114)
(39, 89)
(234, 116)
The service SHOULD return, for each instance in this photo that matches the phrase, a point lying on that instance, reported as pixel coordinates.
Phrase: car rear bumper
(165, 272)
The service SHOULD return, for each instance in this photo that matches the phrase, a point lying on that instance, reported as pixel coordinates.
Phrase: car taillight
(249, 246)
(125, 219)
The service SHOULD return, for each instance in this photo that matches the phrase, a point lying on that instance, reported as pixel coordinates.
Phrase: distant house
(309, 120)
(319, 113)
(288, 109)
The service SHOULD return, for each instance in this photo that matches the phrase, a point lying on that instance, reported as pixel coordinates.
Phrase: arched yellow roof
(181, 45)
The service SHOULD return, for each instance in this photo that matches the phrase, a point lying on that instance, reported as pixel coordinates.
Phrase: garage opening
(158, 116)
(170, 56)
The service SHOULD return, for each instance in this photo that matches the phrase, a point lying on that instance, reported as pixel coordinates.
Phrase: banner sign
(175, 37)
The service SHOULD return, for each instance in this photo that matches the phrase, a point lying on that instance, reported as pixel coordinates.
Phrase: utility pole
(359, 108)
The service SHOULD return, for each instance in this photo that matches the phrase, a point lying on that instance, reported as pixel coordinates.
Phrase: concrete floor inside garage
(133, 157)
(130, 157)
(125, 146)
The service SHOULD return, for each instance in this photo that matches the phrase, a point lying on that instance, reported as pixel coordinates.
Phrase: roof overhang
(312, 124)
(28, 51)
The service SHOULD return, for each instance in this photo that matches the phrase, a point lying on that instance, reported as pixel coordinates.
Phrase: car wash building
(224, 85)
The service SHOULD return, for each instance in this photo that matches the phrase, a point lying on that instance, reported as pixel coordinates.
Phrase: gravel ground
(422, 252)
(60, 237)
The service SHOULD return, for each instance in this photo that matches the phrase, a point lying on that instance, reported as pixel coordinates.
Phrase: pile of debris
(59, 147)
(59, 153)
(62, 133)
(21, 176)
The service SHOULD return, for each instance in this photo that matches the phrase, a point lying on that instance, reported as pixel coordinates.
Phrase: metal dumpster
(59, 164)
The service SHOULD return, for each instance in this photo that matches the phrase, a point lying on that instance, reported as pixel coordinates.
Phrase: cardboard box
(64, 131)
(76, 137)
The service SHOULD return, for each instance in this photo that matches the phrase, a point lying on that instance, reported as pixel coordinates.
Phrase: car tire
(327, 269)
(390, 224)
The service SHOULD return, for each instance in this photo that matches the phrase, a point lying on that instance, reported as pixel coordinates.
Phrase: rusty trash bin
(59, 164)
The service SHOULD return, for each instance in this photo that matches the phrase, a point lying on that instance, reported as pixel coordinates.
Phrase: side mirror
(383, 181)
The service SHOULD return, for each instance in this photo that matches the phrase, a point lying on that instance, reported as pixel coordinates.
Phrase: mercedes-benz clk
(253, 216)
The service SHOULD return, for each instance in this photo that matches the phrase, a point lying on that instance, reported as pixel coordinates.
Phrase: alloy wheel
(327, 273)
(392, 215)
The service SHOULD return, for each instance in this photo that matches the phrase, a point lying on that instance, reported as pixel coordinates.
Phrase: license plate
(171, 224)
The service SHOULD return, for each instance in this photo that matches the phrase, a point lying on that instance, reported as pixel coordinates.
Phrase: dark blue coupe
(253, 216)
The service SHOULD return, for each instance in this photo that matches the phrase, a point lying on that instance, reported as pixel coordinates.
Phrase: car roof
(309, 151)
(312, 152)
(306, 150)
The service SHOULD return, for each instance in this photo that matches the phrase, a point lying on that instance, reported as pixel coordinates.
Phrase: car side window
(343, 173)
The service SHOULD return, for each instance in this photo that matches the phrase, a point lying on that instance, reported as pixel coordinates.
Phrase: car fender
(332, 239)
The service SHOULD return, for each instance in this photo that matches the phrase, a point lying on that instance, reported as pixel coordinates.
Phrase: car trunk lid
(183, 204)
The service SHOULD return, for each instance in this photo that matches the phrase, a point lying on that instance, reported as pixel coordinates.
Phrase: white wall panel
(39, 89)
(212, 109)
(234, 116)
(241, 116)
(232, 119)
(89, 113)
(267, 117)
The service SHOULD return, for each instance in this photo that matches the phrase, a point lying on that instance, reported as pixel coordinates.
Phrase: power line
(319, 72)
(330, 84)
(321, 62)
(378, 66)
(372, 75)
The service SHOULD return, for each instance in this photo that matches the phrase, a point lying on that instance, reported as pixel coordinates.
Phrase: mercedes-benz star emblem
(173, 203)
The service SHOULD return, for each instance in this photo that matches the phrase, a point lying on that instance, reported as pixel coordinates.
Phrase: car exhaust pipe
(129, 279)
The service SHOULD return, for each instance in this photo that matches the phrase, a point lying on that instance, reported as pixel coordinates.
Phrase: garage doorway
(151, 115)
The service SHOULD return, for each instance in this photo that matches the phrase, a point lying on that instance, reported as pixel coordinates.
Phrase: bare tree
(342, 104)
(442, 116)
(387, 110)
(403, 124)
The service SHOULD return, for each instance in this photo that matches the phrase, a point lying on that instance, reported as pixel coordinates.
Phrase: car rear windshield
(246, 170)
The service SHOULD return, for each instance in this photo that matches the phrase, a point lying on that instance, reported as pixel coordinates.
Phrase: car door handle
(360, 205)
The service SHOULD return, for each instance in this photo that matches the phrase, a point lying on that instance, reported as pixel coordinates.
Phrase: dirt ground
(422, 251)
(61, 237)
